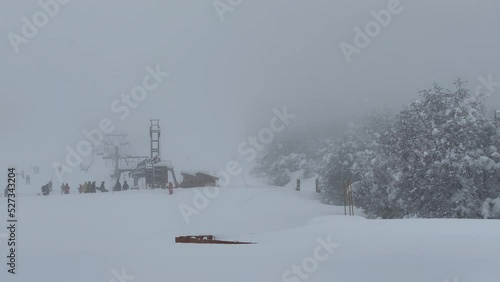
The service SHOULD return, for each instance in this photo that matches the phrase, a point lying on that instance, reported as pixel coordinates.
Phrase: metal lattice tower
(115, 146)
(154, 133)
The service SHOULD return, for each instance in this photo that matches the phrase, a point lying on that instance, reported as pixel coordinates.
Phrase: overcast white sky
(225, 76)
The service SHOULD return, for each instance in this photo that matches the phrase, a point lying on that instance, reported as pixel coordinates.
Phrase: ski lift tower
(113, 143)
(116, 147)
(154, 134)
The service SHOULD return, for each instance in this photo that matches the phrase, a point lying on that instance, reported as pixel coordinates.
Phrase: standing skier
(118, 186)
(170, 188)
(125, 185)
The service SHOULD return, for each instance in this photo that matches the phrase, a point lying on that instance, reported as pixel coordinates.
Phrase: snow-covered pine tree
(441, 149)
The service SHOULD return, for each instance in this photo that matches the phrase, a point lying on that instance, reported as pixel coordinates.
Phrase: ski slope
(129, 236)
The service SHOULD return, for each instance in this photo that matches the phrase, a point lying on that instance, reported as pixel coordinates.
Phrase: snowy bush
(491, 208)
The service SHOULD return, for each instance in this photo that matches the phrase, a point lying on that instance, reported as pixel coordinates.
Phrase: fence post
(298, 185)
(348, 199)
(345, 202)
(317, 186)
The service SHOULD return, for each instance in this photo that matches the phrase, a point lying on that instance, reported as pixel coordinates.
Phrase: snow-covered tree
(438, 157)
(441, 148)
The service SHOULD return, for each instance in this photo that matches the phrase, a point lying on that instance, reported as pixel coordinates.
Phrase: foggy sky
(225, 76)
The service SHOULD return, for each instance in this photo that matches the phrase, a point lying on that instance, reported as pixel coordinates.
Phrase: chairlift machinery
(153, 169)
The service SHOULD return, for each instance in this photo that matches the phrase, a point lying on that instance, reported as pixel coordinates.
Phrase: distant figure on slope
(102, 188)
(125, 185)
(28, 179)
(118, 186)
(170, 188)
(45, 189)
(66, 188)
(88, 187)
(93, 185)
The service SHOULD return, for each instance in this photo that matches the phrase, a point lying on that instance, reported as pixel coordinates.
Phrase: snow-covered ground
(129, 236)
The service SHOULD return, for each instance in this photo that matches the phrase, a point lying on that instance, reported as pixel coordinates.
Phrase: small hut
(198, 179)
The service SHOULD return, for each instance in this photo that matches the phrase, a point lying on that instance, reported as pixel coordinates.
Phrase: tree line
(437, 157)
